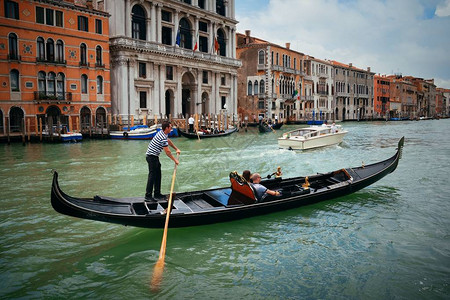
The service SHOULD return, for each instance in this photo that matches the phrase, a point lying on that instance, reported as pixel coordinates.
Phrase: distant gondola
(224, 204)
(264, 127)
(201, 135)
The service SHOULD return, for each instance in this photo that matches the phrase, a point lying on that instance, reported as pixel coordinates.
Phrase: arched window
(261, 87)
(83, 54)
(42, 87)
(60, 86)
(51, 84)
(50, 50)
(98, 56)
(14, 80)
(220, 7)
(59, 51)
(261, 57)
(138, 23)
(222, 42)
(99, 85)
(250, 88)
(185, 34)
(256, 87)
(84, 84)
(16, 116)
(13, 52)
(40, 49)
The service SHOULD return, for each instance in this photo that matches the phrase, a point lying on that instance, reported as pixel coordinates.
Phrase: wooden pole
(196, 123)
(28, 129)
(144, 119)
(101, 125)
(77, 122)
(23, 131)
(132, 121)
(156, 119)
(7, 129)
(40, 130)
(36, 129)
(120, 122)
(70, 124)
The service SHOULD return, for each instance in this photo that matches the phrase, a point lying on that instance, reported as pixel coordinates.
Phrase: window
(99, 85)
(41, 84)
(223, 79)
(224, 102)
(143, 99)
(203, 26)
(40, 49)
(98, 56)
(142, 70)
(169, 72)
(83, 55)
(49, 16)
(166, 16)
(261, 57)
(203, 44)
(13, 51)
(59, 18)
(220, 7)
(222, 42)
(83, 23)
(277, 62)
(40, 15)
(60, 86)
(59, 51)
(51, 86)
(249, 88)
(185, 34)
(201, 4)
(11, 10)
(50, 47)
(261, 104)
(261, 87)
(295, 63)
(256, 87)
(166, 36)
(14, 80)
(205, 77)
(98, 26)
(138, 24)
(84, 84)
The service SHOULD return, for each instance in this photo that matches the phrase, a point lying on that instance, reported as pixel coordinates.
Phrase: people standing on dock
(160, 142)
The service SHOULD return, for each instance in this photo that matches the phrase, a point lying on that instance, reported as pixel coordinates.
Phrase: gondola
(264, 127)
(224, 204)
(201, 135)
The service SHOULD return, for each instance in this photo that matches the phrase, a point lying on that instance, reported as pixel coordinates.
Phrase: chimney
(288, 45)
(247, 33)
(368, 69)
(89, 4)
(350, 65)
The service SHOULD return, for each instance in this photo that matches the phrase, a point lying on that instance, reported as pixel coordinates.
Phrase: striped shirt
(157, 143)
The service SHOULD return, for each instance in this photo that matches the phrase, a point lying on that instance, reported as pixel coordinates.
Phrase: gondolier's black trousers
(154, 176)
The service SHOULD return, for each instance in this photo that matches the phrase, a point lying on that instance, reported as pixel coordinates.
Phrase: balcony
(99, 65)
(51, 61)
(14, 57)
(84, 64)
(50, 97)
(287, 70)
(127, 44)
(307, 98)
(261, 67)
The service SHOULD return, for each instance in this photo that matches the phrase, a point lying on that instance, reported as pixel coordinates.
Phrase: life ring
(125, 134)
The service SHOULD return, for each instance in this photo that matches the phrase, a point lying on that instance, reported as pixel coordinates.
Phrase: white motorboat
(140, 132)
(312, 137)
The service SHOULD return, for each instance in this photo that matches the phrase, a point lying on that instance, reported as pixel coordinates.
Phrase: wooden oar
(159, 266)
(270, 126)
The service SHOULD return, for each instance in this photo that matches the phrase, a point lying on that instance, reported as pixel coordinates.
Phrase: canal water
(389, 240)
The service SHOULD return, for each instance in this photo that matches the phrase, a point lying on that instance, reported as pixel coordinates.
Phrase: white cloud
(443, 9)
(389, 36)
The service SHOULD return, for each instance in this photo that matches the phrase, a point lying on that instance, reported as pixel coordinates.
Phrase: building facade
(321, 80)
(172, 58)
(354, 98)
(381, 96)
(54, 65)
(271, 80)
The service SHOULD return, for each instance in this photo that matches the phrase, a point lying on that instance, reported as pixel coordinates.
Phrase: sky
(411, 37)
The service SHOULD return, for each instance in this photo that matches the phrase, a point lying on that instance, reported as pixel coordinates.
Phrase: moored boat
(224, 204)
(312, 137)
(265, 127)
(205, 134)
(140, 132)
(63, 136)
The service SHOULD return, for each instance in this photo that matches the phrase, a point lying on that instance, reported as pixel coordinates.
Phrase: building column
(198, 101)
(177, 24)
(178, 98)
(152, 29)
(127, 18)
(158, 23)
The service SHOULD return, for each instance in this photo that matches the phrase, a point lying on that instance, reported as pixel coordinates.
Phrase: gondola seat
(241, 191)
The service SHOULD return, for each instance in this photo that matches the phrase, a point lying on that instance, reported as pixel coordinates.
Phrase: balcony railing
(125, 42)
(99, 65)
(57, 97)
(84, 64)
(14, 57)
(51, 61)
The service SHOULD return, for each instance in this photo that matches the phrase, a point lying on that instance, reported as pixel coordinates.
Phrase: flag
(216, 45)
(295, 93)
(196, 42)
(178, 40)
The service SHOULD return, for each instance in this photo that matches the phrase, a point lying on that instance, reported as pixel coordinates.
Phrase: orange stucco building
(381, 91)
(54, 65)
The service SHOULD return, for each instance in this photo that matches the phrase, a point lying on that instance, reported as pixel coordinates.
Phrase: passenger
(191, 124)
(333, 128)
(246, 174)
(260, 190)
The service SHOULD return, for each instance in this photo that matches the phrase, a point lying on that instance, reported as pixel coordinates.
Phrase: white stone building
(172, 57)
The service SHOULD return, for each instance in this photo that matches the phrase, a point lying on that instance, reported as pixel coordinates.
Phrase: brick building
(54, 65)
(381, 96)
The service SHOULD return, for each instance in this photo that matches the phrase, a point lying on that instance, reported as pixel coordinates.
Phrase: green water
(390, 240)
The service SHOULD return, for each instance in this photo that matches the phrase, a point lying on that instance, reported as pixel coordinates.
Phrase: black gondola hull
(129, 211)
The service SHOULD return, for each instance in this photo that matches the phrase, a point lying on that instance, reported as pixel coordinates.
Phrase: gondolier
(160, 142)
